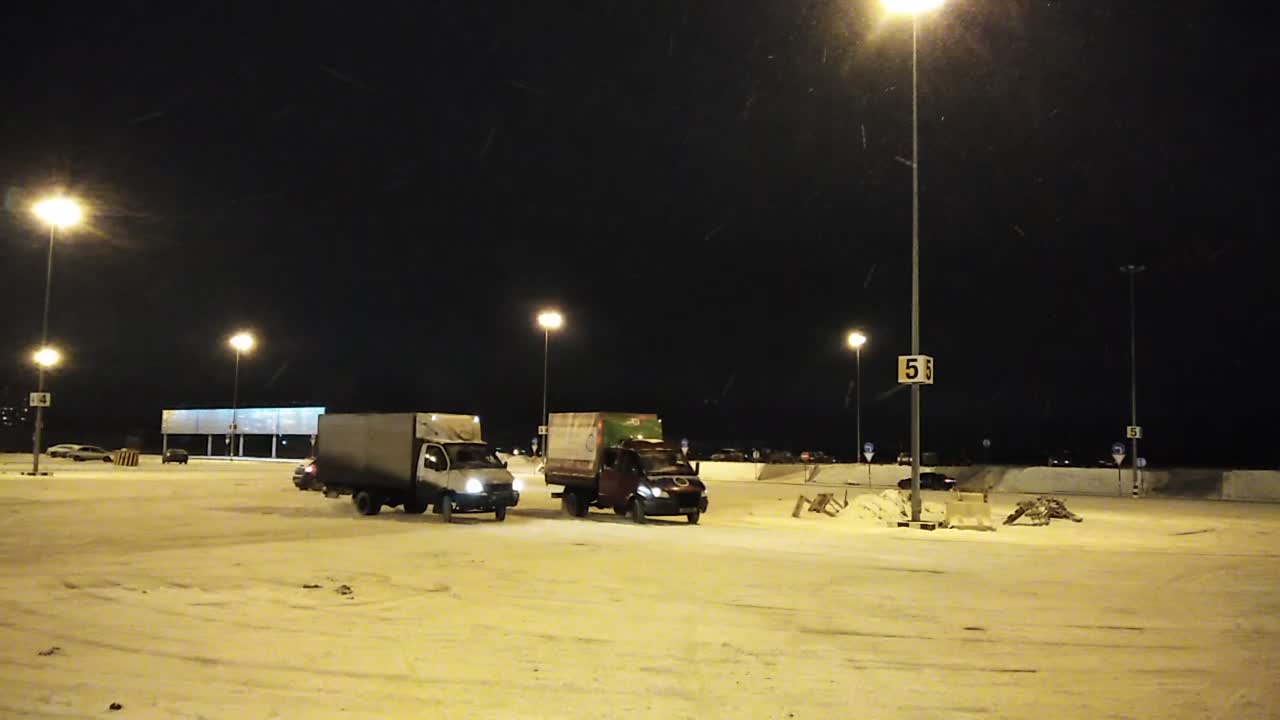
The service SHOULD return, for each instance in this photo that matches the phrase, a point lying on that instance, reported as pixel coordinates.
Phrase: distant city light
(911, 7)
(857, 340)
(550, 320)
(60, 212)
(242, 342)
(47, 357)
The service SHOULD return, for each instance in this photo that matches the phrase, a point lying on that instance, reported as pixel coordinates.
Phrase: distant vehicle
(413, 460)
(926, 458)
(306, 476)
(728, 455)
(930, 481)
(1062, 459)
(778, 457)
(61, 451)
(89, 452)
(175, 455)
(618, 461)
(816, 457)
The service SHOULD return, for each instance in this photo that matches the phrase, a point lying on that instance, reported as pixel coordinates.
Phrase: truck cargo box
(575, 441)
(368, 450)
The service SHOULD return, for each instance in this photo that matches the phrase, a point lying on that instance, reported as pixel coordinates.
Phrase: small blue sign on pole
(1117, 448)
(868, 447)
(684, 446)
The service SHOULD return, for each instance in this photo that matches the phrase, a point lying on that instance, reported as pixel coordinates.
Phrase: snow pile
(890, 506)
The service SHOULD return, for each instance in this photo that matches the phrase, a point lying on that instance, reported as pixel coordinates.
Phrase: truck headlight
(474, 486)
(659, 492)
(517, 485)
(644, 490)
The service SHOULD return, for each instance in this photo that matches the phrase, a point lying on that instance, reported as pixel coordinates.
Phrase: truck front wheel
(414, 506)
(445, 505)
(500, 513)
(367, 503)
(637, 511)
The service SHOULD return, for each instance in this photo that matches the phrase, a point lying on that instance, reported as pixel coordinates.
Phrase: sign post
(868, 452)
(1117, 453)
(684, 448)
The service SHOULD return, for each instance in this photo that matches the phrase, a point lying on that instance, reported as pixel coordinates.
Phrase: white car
(89, 452)
(62, 450)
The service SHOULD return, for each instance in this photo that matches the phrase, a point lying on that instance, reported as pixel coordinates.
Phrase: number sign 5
(915, 370)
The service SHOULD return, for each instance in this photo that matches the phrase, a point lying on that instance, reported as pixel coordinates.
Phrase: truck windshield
(664, 462)
(472, 456)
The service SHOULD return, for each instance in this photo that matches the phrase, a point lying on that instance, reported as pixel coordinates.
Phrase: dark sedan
(306, 477)
(930, 481)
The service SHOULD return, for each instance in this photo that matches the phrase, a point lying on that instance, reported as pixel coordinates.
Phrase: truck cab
(643, 479)
(466, 477)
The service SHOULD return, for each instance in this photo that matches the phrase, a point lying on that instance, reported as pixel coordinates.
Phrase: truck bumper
(674, 505)
(486, 502)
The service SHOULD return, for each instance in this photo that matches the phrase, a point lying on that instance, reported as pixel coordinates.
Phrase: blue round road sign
(868, 447)
(1117, 449)
(684, 444)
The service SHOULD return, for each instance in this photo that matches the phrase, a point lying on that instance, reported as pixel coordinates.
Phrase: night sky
(713, 192)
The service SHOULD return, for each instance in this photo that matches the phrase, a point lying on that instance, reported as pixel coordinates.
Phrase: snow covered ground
(217, 590)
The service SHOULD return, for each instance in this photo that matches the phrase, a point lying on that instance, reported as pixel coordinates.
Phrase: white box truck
(414, 461)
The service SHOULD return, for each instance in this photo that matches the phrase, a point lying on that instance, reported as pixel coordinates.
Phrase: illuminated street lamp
(59, 213)
(914, 8)
(241, 342)
(856, 341)
(548, 320)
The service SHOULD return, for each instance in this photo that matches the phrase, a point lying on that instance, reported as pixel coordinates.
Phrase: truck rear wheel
(367, 503)
(445, 504)
(637, 511)
(572, 504)
(415, 506)
(500, 513)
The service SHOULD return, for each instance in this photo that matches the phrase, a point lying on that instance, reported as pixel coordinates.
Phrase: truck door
(433, 467)
(612, 488)
(620, 479)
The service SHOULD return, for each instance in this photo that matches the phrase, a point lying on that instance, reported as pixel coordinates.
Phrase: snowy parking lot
(218, 590)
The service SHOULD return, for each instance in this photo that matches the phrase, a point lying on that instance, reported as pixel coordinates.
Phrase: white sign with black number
(1133, 432)
(542, 429)
(915, 370)
(41, 399)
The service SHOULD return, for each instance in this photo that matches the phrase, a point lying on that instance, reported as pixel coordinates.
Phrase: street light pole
(915, 264)
(57, 212)
(38, 437)
(856, 341)
(546, 361)
(548, 320)
(241, 342)
(1132, 271)
(235, 401)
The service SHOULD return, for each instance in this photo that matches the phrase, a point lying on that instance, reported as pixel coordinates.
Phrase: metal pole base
(918, 524)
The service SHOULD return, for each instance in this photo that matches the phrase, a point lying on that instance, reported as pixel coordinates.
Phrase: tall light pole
(241, 342)
(1132, 271)
(58, 213)
(914, 8)
(548, 320)
(856, 341)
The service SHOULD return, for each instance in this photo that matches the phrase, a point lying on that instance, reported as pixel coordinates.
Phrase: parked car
(728, 455)
(175, 455)
(780, 457)
(816, 457)
(305, 476)
(926, 458)
(61, 451)
(930, 481)
(89, 452)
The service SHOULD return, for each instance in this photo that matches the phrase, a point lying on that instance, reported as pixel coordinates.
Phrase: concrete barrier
(1263, 485)
(1251, 485)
